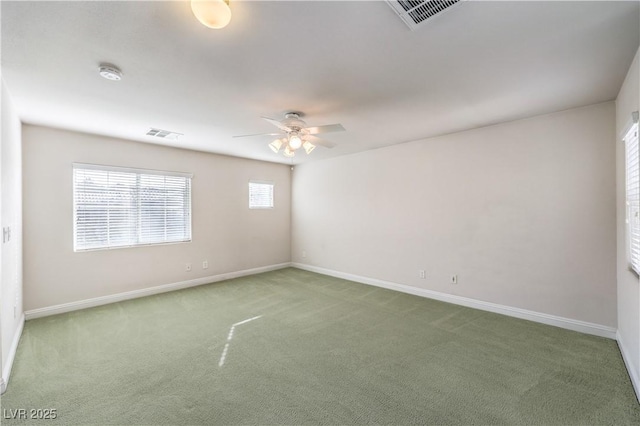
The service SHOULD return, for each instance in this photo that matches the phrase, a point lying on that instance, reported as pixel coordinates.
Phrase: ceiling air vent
(164, 134)
(416, 12)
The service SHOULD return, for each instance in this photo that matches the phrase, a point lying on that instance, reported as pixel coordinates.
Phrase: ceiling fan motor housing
(292, 120)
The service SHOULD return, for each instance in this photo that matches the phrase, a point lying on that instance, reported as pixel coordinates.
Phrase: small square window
(260, 195)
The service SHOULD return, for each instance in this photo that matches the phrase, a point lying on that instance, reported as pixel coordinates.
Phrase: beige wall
(225, 231)
(628, 292)
(10, 216)
(523, 212)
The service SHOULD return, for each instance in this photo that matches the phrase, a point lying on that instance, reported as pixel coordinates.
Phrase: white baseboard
(633, 373)
(6, 371)
(568, 323)
(104, 300)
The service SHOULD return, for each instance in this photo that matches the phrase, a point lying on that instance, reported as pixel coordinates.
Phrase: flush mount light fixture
(214, 14)
(110, 72)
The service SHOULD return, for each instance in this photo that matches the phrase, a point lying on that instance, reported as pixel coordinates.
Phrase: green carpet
(311, 349)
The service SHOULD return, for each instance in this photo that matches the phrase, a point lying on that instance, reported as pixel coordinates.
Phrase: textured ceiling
(353, 63)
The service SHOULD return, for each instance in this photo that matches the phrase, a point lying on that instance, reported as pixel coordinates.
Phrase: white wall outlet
(187, 267)
(205, 264)
(422, 274)
(304, 253)
(454, 279)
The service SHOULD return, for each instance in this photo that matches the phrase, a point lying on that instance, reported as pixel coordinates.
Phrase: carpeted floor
(294, 347)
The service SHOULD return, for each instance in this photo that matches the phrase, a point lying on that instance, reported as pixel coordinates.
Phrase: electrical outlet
(188, 267)
(422, 274)
(205, 264)
(304, 253)
(454, 279)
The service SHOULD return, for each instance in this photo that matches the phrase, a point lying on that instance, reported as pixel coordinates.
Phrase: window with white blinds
(632, 161)
(260, 195)
(120, 207)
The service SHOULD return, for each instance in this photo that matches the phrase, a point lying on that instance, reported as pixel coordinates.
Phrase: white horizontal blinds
(164, 209)
(260, 195)
(632, 160)
(116, 208)
(104, 208)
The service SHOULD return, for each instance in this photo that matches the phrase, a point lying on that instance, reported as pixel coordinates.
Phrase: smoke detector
(110, 72)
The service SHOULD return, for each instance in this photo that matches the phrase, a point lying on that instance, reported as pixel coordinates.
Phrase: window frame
(632, 230)
(273, 194)
(117, 169)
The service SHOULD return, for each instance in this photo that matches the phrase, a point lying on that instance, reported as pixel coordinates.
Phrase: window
(260, 195)
(632, 162)
(119, 207)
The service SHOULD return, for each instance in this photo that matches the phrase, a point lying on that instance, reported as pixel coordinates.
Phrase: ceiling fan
(295, 134)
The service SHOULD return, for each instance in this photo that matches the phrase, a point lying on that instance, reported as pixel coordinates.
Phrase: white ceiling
(354, 63)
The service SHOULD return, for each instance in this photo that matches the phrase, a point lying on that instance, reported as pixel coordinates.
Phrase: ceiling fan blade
(325, 129)
(278, 124)
(322, 142)
(258, 134)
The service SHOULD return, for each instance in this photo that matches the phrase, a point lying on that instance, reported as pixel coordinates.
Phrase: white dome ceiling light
(214, 14)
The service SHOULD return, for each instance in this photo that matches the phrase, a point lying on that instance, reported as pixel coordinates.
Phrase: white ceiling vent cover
(416, 12)
(164, 134)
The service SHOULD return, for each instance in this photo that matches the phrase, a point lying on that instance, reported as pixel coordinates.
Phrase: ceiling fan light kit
(308, 147)
(297, 135)
(288, 152)
(214, 14)
(292, 144)
(275, 145)
(294, 141)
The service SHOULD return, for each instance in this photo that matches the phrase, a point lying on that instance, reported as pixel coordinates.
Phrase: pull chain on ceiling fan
(294, 134)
